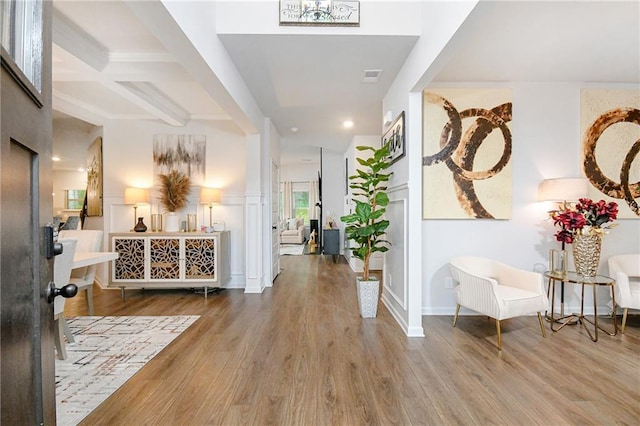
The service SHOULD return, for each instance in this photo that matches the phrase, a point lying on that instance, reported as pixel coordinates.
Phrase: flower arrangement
(174, 188)
(586, 217)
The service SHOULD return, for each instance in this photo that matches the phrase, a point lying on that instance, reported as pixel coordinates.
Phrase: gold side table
(581, 280)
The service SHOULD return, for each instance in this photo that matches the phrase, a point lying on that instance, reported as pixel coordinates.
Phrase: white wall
(546, 135)
(333, 177)
(128, 161)
(300, 172)
(65, 180)
(546, 144)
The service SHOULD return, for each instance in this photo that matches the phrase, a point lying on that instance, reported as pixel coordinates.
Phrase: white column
(414, 237)
(254, 202)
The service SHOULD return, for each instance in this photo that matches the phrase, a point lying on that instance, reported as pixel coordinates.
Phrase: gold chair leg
(455, 317)
(624, 319)
(544, 333)
(499, 334)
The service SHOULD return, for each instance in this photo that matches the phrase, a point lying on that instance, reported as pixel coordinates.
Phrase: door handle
(274, 227)
(66, 291)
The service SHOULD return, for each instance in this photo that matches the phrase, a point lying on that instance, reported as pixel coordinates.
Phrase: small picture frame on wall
(395, 137)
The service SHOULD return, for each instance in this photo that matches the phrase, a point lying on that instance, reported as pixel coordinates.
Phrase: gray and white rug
(106, 353)
(291, 249)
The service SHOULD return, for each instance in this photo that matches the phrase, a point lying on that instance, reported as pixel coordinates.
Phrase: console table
(331, 242)
(170, 260)
(594, 282)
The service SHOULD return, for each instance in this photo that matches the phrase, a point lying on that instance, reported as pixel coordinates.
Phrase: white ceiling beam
(148, 97)
(79, 43)
(71, 106)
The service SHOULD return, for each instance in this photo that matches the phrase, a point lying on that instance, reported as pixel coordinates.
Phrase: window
(301, 205)
(21, 36)
(74, 198)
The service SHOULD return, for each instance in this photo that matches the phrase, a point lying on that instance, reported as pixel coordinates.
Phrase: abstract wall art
(184, 153)
(610, 128)
(466, 163)
(94, 178)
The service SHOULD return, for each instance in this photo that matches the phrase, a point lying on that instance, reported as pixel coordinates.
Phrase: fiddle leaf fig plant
(366, 226)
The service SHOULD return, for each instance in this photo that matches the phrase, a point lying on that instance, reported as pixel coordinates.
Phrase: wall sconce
(210, 196)
(136, 196)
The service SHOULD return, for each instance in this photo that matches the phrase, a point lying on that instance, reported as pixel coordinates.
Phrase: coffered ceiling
(107, 64)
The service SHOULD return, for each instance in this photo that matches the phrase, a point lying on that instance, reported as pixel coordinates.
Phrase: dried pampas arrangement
(174, 188)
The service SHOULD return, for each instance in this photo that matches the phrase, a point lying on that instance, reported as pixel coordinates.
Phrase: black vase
(140, 226)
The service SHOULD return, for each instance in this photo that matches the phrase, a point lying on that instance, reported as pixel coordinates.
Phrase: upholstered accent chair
(625, 269)
(88, 241)
(292, 232)
(497, 290)
(62, 265)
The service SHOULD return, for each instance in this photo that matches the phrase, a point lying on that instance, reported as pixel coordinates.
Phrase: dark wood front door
(26, 337)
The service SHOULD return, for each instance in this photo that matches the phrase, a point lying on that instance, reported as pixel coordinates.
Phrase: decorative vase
(586, 254)
(172, 222)
(140, 226)
(368, 297)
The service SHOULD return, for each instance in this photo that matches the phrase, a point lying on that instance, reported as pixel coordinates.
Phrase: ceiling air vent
(371, 76)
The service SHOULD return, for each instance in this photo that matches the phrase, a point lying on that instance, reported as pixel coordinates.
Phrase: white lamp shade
(136, 196)
(210, 195)
(563, 189)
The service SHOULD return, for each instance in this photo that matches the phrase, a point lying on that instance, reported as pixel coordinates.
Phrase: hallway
(299, 354)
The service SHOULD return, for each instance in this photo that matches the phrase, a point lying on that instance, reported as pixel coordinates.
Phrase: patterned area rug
(106, 353)
(291, 249)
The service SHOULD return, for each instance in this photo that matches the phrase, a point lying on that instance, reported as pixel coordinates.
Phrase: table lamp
(210, 196)
(136, 196)
(562, 191)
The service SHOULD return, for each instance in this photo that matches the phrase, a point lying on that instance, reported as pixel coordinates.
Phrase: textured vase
(172, 222)
(368, 297)
(140, 226)
(586, 254)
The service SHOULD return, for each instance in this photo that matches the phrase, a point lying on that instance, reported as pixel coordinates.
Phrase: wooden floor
(299, 354)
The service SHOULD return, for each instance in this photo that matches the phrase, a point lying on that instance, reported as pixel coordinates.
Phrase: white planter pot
(368, 297)
(172, 222)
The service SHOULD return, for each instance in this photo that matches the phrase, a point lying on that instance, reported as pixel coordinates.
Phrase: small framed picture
(395, 137)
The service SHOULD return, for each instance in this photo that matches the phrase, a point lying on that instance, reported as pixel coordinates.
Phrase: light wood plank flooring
(299, 354)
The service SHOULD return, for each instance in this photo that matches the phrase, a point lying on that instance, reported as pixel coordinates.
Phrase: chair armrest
(622, 288)
(519, 278)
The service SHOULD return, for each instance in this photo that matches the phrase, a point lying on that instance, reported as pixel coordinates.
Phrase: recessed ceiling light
(347, 124)
(81, 169)
(294, 129)
(55, 158)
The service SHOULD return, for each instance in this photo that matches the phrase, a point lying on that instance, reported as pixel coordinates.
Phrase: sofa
(292, 231)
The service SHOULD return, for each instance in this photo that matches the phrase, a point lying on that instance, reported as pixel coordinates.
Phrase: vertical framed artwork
(610, 125)
(395, 137)
(466, 148)
(94, 178)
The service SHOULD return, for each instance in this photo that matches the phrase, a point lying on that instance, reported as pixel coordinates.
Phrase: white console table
(170, 260)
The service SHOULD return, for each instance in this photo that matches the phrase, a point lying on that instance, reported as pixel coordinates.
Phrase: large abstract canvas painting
(610, 128)
(184, 153)
(466, 164)
(94, 178)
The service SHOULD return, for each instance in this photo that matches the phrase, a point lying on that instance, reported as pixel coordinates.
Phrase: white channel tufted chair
(497, 290)
(625, 269)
